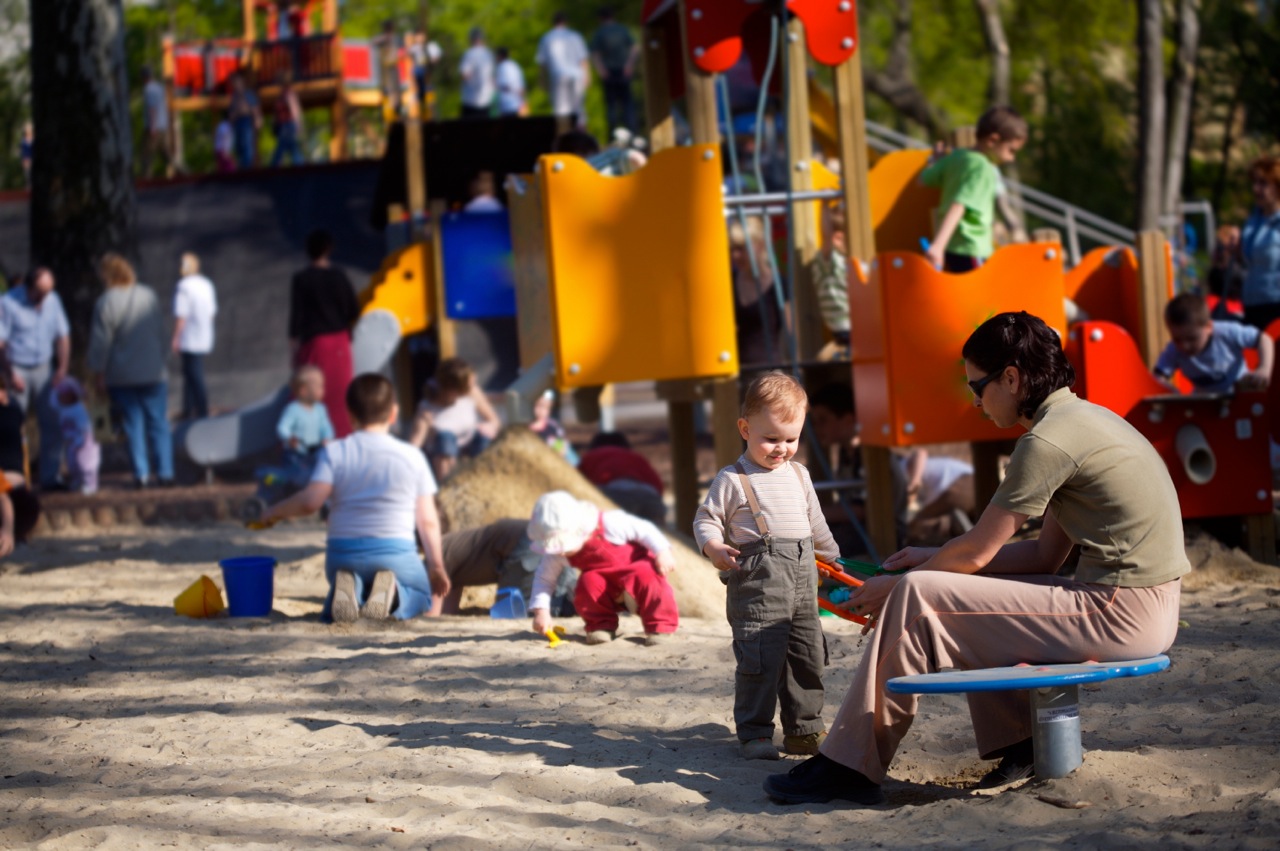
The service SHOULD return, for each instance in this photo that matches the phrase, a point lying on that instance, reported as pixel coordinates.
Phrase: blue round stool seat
(1024, 676)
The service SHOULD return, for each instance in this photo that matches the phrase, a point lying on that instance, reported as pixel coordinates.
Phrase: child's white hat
(561, 523)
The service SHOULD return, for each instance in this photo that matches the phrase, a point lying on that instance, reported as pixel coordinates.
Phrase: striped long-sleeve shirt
(788, 502)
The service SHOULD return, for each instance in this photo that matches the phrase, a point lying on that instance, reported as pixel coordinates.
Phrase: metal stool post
(1055, 730)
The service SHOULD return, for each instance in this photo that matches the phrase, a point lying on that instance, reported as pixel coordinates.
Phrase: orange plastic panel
(909, 324)
(901, 209)
(402, 285)
(639, 269)
(1104, 284)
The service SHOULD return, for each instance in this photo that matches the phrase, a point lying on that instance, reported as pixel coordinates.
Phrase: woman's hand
(723, 556)
(908, 557)
(869, 599)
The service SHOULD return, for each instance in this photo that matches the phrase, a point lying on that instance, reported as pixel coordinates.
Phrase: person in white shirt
(563, 57)
(380, 491)
(477, 77)
(509, 79)
(195, 304)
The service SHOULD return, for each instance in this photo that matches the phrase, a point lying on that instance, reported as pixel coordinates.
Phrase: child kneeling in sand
(379, 490)
(623, 560)
(760, 525)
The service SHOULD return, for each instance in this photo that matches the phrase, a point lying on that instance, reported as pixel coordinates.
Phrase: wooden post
(861, 239)
(338, 129)
(1261, 529)
(1153, 282)
(700, 103)
(807, 320)
(986, 469)
(446, 334)
(657, 90)
(964, 137)
(415, 171)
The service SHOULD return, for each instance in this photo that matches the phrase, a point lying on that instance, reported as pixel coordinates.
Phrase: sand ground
(123, 725)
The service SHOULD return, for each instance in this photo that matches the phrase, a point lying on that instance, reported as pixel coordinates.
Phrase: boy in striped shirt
(760, 525)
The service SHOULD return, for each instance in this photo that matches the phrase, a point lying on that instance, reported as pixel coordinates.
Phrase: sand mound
(1213, 564)
(507, 479)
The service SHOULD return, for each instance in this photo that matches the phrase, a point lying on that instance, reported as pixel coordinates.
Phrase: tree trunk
(1184, 78)
(82, 199)
(895, 84)
(1151, 112)
(997, 49)
(1009, 207)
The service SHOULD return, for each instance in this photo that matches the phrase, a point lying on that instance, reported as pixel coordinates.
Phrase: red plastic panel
(1235, 430)
(1109, 370)
(830, 26)
(715, 28)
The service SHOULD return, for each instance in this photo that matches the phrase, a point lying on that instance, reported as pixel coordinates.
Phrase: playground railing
(1076, 222)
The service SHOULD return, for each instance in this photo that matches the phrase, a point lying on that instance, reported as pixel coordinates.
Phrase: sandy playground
(124, 725)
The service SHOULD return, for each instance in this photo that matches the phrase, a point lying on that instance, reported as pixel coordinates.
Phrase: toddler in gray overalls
(760, 525)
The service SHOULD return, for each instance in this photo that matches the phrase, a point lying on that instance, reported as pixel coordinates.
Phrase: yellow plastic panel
(402, 285)
(915, 391)
(639, 269)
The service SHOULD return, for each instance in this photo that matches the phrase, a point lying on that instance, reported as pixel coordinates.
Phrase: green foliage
(1072, 74)
(15, 85)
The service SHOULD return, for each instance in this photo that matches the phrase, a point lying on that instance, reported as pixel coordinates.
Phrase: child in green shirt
(969, 180)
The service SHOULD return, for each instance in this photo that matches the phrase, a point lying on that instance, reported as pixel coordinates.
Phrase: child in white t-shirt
(380, 491)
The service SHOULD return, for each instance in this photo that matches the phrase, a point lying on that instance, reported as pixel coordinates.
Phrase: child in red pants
(623, 562)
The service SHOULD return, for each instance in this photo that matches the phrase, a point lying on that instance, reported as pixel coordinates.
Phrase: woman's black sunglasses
(981, 384)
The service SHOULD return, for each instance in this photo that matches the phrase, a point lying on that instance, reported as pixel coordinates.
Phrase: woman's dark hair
(1026, 342)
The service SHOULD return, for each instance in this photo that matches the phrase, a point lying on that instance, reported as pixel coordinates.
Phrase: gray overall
(772, 605)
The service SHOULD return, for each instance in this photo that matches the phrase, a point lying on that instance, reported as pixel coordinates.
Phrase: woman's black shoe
(1017, 762)
(818, 780)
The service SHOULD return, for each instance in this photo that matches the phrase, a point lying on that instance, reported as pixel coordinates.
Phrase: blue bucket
(509, 605)
(250, 585)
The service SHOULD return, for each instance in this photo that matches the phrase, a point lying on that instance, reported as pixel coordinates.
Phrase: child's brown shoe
(806, 745)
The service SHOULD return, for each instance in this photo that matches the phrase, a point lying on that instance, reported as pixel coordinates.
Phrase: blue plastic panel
(1024, 677)
(479, 281)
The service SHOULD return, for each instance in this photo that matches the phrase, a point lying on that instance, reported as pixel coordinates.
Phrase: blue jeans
(39, 392)
(364, 557)
(195, 399)
(145, 417)
(246, 142)
(445, 443)
(287, 143)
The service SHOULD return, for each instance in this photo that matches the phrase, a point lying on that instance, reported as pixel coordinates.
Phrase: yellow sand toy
(553, 635)
(202, 599)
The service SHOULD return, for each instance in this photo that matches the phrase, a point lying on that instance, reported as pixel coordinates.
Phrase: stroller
(280, 481)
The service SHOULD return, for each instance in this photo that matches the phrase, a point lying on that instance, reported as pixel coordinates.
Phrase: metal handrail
(1076, 221)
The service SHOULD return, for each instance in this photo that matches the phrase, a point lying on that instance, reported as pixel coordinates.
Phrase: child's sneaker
(652, 638)
(382, 597)
(600, 636)
(760, 749)
(806, 745)
(345, 609)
